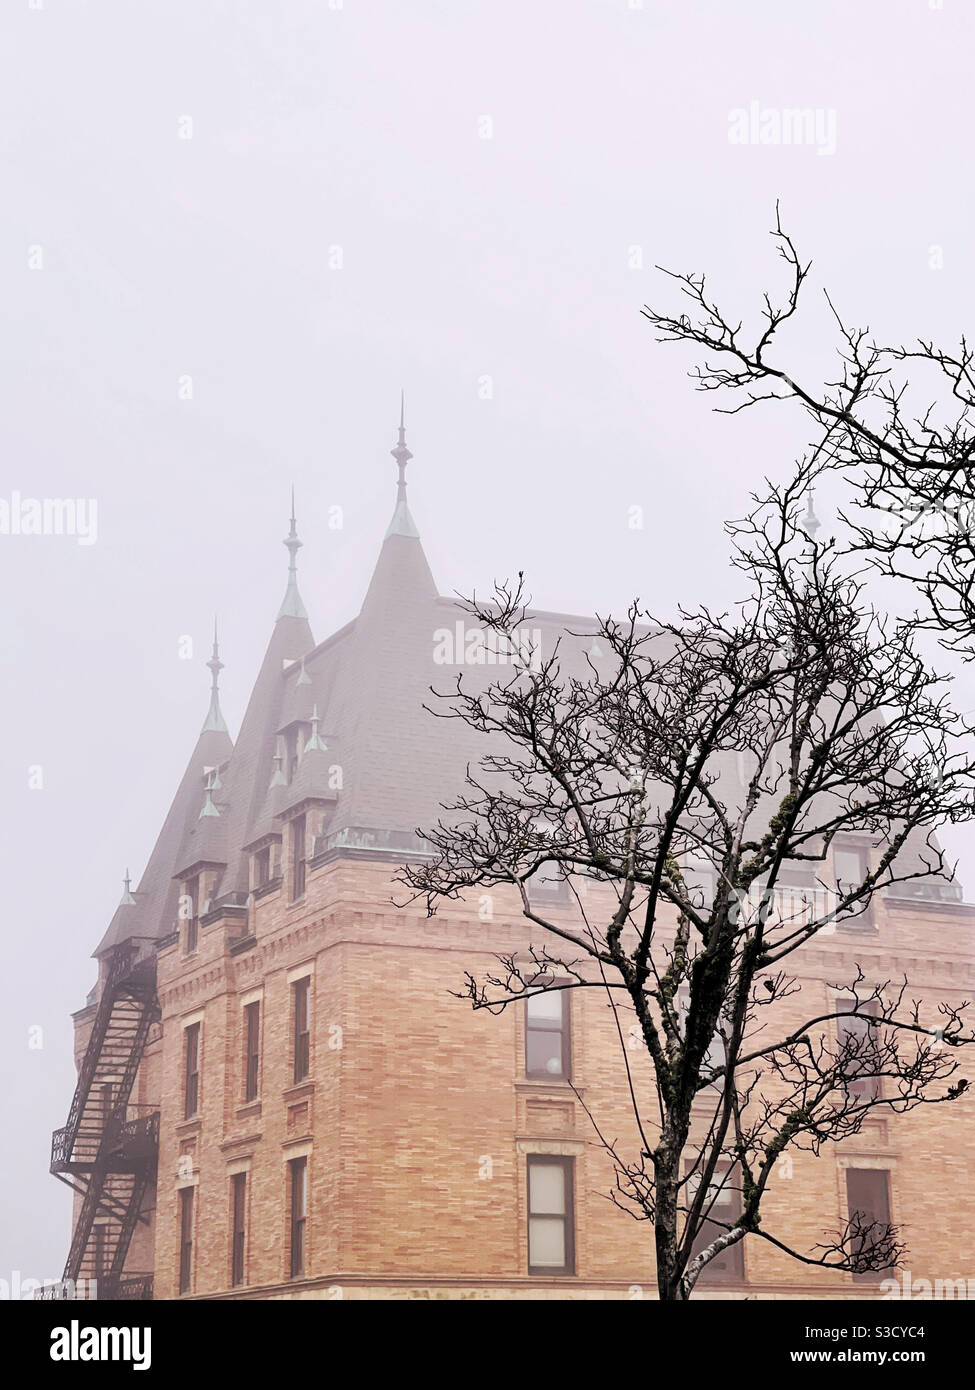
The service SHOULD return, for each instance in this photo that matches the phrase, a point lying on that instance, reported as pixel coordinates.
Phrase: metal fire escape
(102, 1154)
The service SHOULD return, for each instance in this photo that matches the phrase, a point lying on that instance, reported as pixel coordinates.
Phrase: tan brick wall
(417, 1126)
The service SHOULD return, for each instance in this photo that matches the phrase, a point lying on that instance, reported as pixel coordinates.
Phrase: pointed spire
(214, 721)
(402, 523)
(291, 605)
(401, 453)
(810, 522)
(127, 899)
(278, 778)
(315, 741)
(209, 809)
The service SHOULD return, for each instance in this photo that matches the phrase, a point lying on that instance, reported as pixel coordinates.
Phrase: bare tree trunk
(670, 1287)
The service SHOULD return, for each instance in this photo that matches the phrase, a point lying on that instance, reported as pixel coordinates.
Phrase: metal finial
(810, 522)
(214, 721)
(127, 898)
(401, 453)
(292, 606)
(291, 540)
(278, 778)
(315, 741)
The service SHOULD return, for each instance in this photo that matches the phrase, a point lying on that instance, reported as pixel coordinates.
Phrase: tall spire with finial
(402, 523)
(214, 722)
(810, 522)
(292, 606)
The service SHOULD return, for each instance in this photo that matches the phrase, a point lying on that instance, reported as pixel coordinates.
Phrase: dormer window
(262, 866)
(320, 840)
(295, 738)
(548, 884)
(851, 865)
(192, 892)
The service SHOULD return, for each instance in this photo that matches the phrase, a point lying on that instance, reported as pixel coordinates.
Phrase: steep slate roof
(253, 762)
(153, 913)
(369, 681)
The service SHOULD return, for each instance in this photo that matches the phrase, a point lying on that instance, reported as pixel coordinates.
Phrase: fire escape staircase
(102, 1154)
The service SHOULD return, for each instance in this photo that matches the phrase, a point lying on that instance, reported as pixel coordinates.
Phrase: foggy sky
(356, 135)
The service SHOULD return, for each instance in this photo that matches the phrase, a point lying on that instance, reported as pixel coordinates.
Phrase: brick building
(280, 1097)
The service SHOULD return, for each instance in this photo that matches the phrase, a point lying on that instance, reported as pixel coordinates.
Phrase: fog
(233, 232)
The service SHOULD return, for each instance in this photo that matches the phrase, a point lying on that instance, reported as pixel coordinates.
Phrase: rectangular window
(548, 883)
(302, 1038)
(191, 1076)
(298, 856)
(860, 1037)
(721, 1210)
(185, 1238)
(238, 1188)
(851, 865)
(699, 881)
(868, 1195)
(252, 1049)
(551, 1237)
(547, 1035)
(262, 867)
(292, 745)
(299, 1214)
(193, 920)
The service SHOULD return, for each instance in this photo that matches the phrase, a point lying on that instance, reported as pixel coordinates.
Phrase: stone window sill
(299, 1090)
(562, 1087)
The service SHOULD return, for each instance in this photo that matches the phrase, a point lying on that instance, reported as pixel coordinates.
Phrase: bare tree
(689, 789)
(897, 421)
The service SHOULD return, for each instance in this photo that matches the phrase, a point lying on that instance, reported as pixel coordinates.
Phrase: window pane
(186, 1239)
(546, 1188)
(546, 1241)
(720, 1192)
(298, 1172)
(849, 867)
(868, 1197)
(545, 1007)
(730, 1264)
(543, 1052)
(721, 1196)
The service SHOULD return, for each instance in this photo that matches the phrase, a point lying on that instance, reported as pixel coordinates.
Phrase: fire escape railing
(105, 1157)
